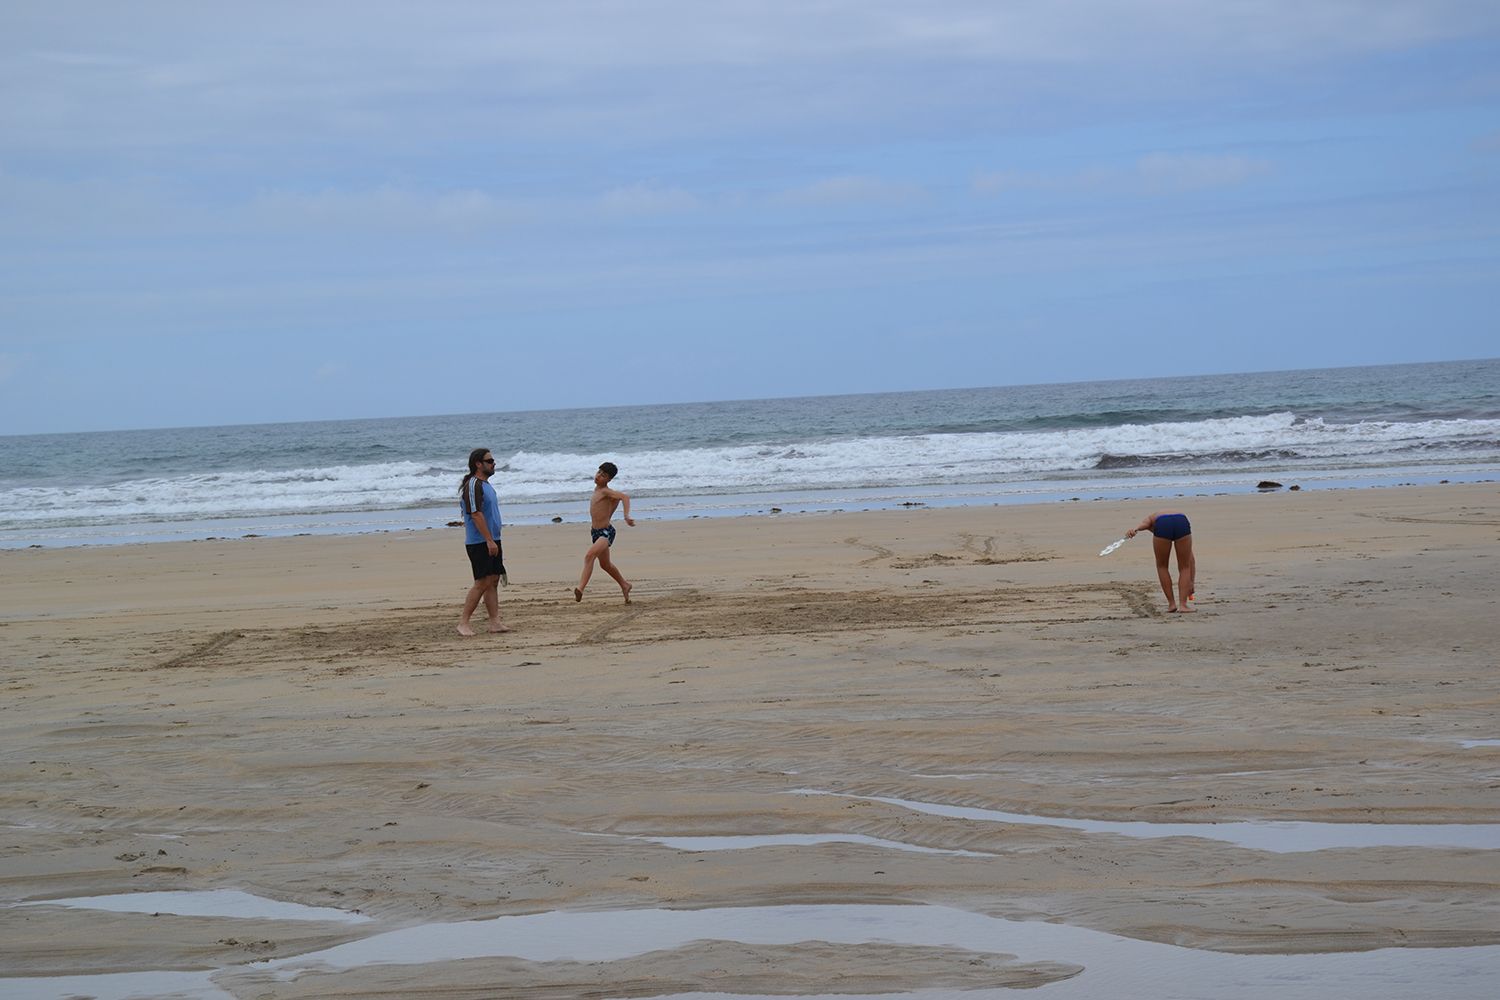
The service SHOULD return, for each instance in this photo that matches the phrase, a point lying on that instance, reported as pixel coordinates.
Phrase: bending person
(1171, 532)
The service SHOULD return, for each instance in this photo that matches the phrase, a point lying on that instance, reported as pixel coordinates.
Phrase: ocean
(1138, 438)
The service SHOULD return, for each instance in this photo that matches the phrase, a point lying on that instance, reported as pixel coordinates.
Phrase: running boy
(1171, 532)
(601, 533)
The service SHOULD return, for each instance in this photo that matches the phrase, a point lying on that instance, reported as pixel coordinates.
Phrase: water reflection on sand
(1283, 837)
(1113, 966)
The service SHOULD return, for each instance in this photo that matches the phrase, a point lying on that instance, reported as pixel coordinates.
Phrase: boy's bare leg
(1187, 568)
(599, 550)
(607, 564)
(1162, 548)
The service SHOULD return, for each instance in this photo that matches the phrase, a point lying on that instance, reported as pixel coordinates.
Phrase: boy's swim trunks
(606, 532)
(1171, 527)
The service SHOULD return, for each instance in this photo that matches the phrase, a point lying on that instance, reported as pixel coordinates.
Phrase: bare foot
(464, 628)
(1171, 611)
(1187, 609)
(497, 627)
(577, 595)
(627, 588)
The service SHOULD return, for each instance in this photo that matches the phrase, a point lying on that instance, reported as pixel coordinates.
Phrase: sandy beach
(297, 719)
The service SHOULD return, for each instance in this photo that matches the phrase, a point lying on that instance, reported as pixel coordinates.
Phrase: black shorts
(485, 564)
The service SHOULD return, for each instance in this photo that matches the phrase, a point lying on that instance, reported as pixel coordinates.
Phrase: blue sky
(238, 213)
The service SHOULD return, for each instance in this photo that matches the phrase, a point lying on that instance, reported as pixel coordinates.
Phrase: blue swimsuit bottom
(1171, 527)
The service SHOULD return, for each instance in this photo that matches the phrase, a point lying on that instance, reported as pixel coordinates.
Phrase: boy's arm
(624, 499)
(1146, 523)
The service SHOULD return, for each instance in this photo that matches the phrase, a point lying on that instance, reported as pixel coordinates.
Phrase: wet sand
(297, 718)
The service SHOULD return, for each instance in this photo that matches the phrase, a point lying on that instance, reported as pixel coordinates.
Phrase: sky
(237, 213)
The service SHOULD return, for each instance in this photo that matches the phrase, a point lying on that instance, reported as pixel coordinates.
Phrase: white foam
(895, 461)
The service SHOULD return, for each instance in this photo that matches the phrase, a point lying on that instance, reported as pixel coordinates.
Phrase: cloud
(149, 75)
(645, 200)
(848, 190)
(44, 207)
(1000, 181)
(170, 169)
(1154, 173)
(1195, 172)
(388, 208)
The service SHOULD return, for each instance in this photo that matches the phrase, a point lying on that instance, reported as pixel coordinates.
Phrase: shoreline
(987, 707)
(784, 502)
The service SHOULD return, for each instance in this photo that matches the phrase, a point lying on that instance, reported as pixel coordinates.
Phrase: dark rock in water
(775, 510)
(1268, 484)
(913, 503)
(1294, 487)
(557, 520)
(455, 524)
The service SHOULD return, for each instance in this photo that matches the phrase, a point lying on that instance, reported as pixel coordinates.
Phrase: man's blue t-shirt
(483, 497)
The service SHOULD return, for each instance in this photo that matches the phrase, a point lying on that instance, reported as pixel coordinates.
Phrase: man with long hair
(481, 509)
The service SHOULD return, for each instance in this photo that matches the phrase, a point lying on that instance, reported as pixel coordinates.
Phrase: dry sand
(298, 719)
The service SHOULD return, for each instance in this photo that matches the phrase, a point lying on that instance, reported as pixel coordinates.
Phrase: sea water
(1132, 438)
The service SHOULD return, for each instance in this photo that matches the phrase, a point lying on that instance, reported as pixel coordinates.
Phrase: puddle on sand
(1282, 837)
(205, 903)
(1244, 774)
(747, 842)
(1471, 744)
(116, 986)
(1113, 966)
